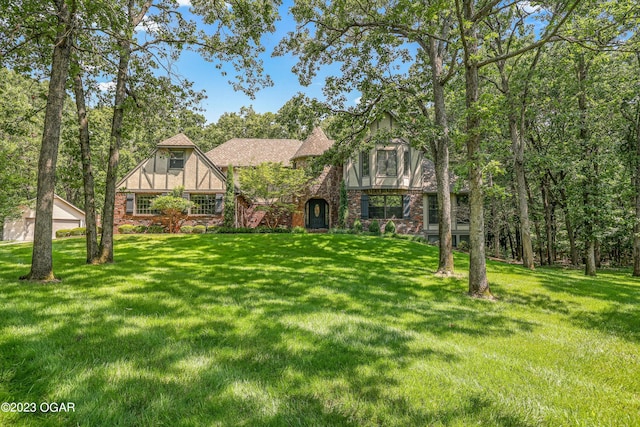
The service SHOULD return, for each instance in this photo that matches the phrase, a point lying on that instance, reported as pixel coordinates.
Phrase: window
(364, 163)
(407, 163)
(382, 207)
(462, 209)
(143, 204)
(387, 162)
(432, 202)
(176, 159)
(207, 204)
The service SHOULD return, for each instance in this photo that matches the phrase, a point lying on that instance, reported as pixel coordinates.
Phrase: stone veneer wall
(413, 225)
(326, 186)
(121, 217)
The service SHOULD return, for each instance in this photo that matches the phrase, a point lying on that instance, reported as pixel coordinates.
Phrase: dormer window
(176, 159)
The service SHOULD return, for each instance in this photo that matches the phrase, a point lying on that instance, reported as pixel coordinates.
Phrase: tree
(470, 14)
(42, 257)
(230, 200)
(376, 42)
(174, 207)
(273, 188)
(343, 210)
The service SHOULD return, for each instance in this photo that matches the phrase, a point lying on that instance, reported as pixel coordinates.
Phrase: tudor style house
(392, 181)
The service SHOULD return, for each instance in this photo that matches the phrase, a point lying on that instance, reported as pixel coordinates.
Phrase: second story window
(176, 159)
(407, 163)
(387, 162)
(364, 163)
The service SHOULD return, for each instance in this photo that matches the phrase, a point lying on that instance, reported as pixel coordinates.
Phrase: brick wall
(412, 225)
(121, 217)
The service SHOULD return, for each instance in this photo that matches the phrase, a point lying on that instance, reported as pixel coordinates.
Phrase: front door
(317, 214)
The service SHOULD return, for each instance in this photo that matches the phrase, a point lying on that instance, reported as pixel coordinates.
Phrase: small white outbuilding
(65, 216)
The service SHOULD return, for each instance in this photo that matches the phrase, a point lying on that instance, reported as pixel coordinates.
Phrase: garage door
(64, 224)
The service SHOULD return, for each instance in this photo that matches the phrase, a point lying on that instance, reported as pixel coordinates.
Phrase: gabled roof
(252, 151)
(315, 144)
(429, 179)
(179, 140)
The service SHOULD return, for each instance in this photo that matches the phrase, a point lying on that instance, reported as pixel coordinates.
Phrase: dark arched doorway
(316, 214)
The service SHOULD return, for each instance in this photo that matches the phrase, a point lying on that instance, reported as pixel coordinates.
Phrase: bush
(374, 227)
(357, 226)
(199, 229)
(186, 229)
(140, 229)
(127, 229)
(390, 228)
(299, 230)
(463, 246)
(155, 229)
(63, 233)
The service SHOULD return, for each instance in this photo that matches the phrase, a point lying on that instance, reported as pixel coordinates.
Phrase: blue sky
(222, 98)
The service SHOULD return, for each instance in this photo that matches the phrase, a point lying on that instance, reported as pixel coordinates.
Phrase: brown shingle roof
(179, 140)
(429, 179)
(315, 144)
(251, 151)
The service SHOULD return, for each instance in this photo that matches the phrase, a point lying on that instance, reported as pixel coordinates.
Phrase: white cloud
(357, 100)
(184, 3)
(106, 86)
(527, 7)
(147, 25)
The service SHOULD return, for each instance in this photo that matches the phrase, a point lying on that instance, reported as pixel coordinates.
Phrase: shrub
(390, 228)
(374, 227)
(186, 229)
(299, 230)
(463, 246)
(127, 229)
(199, 229)
(155, 229)
(357, 226)
(140, 229)
(63, 232)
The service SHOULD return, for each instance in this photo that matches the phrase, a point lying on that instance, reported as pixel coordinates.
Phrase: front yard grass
(312, 330)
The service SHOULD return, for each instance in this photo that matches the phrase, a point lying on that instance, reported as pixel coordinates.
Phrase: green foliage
(173, 207)
(186, 229)
(374, 227)
(230, 200)
(343, 210)
(273, 188)
(156, 229)
(390, 228)
(199, 229)
(299, 230)
(78, 231)
(127, 229)
(357, 225)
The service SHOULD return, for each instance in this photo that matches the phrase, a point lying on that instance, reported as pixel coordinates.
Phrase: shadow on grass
(265, 330)
(611, 300)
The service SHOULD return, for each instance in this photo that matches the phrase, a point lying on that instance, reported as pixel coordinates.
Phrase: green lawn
(312, 330)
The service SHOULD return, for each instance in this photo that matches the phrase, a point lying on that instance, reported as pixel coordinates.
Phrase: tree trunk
(440, 153)
(636, 225)
(42, 256)
(548, 219)
(87, 172)
(573, 251)
(588, 169)
(517, 144)
(106, 242)
(478, 283)
(590, 263)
